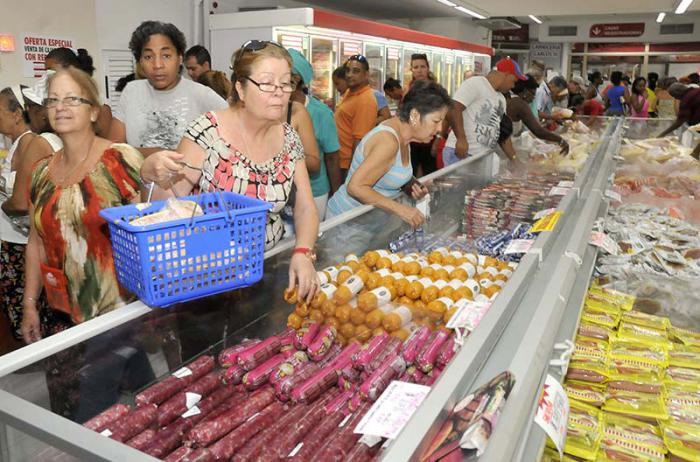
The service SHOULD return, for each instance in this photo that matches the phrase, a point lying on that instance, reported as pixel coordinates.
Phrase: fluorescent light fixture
(660, 17)
(683, 5)
(447, 2)
(470, 12)
(535, 18)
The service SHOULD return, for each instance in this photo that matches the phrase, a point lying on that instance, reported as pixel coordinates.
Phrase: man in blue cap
(328, 179)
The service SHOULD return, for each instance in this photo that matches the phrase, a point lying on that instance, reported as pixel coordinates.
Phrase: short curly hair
(147, 28)
(425, 96)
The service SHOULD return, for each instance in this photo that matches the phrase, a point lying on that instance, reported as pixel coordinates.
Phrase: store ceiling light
(660, 18)
(470, 12)
(535, 18)
(683, 6)
(447, 2)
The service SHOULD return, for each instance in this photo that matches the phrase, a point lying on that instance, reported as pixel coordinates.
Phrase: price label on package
(553, 412)
(423, 205)
(566, 184)
(604, 242)
(544, 213)
(559, 191)
(468, 315)
(613, 195)
(518, 246)
(390, 413)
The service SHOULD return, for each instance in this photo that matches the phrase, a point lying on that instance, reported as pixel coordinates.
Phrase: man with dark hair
(357, 112)
(689, 108)
(694, 80)
(197, 61)
(394, 93)
(153, 112)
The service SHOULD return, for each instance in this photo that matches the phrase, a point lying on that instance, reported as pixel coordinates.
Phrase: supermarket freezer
(111, 358)
(517, 437)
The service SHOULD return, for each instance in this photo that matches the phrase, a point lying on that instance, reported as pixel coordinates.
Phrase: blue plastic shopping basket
(185, 259)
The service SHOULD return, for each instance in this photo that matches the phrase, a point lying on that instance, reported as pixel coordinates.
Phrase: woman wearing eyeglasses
(69, 251)
(16, 170)
(248, 149)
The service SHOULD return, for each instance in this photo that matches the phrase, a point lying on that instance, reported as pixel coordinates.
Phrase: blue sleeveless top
(614, 95)
(388, 185)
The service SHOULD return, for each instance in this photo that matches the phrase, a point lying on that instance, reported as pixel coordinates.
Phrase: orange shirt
(354, 117)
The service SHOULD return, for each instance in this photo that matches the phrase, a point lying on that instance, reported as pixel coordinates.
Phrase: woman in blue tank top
(381, 164)
(615, 95)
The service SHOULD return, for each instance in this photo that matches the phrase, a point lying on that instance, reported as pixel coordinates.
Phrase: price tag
(544, 213)
(559, 191)
(390, 413)
(565, 184)
(423, 205)
(518, 246)
(370, 440)
(546, 223)
(604, 242)
(194, 410)
(553, 412)
(106, 433)
(191, 399)
(468, 314)
(613, 195)
(296, 449)
(182, 372)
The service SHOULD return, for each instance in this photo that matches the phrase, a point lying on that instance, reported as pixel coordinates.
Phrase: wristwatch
(307, 252)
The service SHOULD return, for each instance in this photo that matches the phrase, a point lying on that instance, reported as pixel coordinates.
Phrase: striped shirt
(388, 185)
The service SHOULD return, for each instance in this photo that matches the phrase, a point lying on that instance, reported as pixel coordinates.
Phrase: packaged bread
(174, 209)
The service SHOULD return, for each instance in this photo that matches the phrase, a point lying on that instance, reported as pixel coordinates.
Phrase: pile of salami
(508, 201)
(296, 395)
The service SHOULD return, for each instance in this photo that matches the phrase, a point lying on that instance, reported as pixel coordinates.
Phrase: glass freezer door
(407, 74)
(393, 63)
(436, 68)
(449, 81)
(375, 57)
(323, 59)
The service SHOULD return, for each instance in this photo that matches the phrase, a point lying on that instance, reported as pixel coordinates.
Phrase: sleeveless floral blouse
(226, 168)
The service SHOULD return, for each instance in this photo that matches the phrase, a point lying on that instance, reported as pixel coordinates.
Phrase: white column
(565, 59)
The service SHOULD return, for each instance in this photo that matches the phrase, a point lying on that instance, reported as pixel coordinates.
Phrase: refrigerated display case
(81, 371)
(323, 54)
(392, 65)
(375, 58)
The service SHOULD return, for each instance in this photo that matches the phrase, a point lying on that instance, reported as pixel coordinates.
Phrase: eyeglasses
(271, 87)
(422, 56)
(72, 101)
(255, 45)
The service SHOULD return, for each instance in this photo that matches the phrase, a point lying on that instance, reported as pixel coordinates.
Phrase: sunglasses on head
(359, 58)
(422, 56)
(255, 45)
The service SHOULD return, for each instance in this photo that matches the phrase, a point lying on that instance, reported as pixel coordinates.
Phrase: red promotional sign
(615, 30)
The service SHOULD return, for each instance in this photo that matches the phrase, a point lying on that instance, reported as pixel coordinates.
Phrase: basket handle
(221, 201)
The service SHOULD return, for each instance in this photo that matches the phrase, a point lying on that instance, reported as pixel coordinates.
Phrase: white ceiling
(396, 9)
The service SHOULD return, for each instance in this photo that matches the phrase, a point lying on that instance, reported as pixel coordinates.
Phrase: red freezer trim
(363, 26)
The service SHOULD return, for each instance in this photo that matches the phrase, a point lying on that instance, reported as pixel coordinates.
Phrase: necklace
(68, 174)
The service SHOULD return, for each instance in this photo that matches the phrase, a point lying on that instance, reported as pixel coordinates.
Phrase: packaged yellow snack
(685, 336)
(552, 455)
(592, 330)
(632, 403)
(616, 449)
(588, 370)
(600, 318)
(588, 393)
(684, 356)
(583, 430)
(590, 347)
(626, 428)
(635, 375)
(602, 306)
(682, 440)
(657, 354)
(675, 374)
(683, 405)
(623, 300)
(642, 334)
(644, 319)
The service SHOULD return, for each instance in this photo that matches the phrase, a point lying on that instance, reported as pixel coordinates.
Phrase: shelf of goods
(159, 373)
(630, 309)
